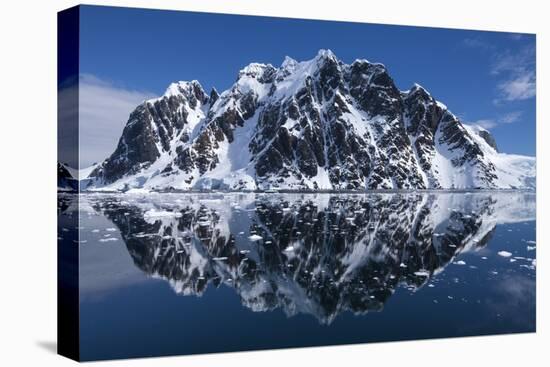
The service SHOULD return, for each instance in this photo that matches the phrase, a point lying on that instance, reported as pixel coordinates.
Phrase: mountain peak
(255, 69)
(485, 135)
(214, 95)
(182, 87)
(316, 124)
(325, 54)
(417, 87)
(417, 92)
(326, 58)
(289, 63)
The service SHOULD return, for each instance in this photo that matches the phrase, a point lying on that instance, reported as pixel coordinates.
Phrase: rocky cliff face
(317, 124)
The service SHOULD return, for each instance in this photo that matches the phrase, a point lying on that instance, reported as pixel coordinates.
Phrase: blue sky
(486, 78)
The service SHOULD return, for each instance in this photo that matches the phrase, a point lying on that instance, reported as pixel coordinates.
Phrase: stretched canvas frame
(311, 203)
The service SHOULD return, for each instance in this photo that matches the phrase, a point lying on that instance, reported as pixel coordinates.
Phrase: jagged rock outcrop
(317, 124)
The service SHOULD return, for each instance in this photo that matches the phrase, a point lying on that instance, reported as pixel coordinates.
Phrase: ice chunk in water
(423, 273)
(107, 239)
(161, 214)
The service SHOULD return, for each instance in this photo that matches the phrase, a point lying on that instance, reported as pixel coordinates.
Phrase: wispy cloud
(514, 62)
(491, 123)
(520, 87)
(513, 68)
(511, 117)
(104, 108)
(487, 124)
(477, 43)
(517, 71)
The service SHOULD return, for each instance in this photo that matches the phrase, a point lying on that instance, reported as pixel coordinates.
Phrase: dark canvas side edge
(68, 330)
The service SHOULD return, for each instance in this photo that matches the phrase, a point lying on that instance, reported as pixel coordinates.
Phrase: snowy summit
(317, 124)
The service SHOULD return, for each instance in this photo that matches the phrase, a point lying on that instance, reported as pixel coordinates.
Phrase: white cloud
(487, 124)
(518, 73)
(103, 111)
(491, 123)
(510, 117)
(520, 87)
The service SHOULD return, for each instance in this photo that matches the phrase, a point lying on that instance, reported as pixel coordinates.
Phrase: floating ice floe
(107, 239)
(423, 273)
(152, 213)
(254, 237)
(504, 253)
(459, 262)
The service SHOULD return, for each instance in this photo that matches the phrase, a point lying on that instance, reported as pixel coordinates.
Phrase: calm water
(165, 274)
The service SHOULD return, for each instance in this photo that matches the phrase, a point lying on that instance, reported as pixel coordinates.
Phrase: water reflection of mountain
(315, 254)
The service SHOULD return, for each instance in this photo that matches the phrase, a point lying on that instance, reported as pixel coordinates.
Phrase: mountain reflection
(316, 254)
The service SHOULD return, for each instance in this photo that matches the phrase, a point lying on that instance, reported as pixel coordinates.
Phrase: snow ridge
(316, 124)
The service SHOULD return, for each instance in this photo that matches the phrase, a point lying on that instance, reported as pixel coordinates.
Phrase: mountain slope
(317, 124)
(66, 180)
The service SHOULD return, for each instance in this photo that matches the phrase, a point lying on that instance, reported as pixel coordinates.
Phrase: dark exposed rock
(348, 125)
(489, 139)
(214, 95)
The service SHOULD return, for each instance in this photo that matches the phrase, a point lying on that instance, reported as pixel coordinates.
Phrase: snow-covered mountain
(317, 124)
(67, 179)
(318, 254)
